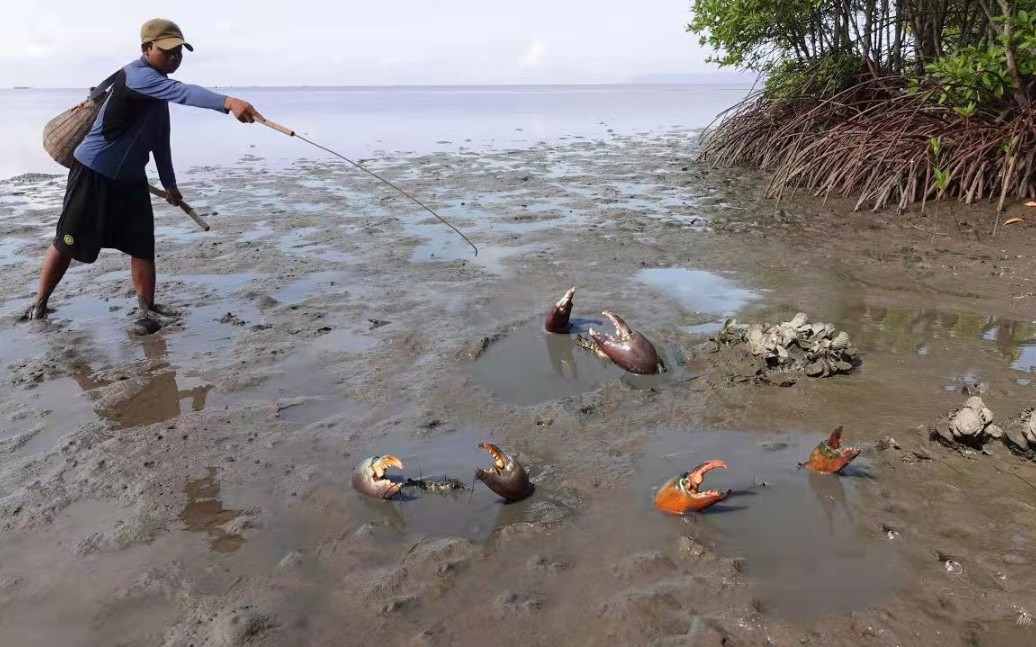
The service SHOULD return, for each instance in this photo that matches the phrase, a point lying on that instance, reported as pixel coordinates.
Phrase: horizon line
(434, 85)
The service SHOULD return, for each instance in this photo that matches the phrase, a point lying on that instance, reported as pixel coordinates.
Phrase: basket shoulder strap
(103, 86)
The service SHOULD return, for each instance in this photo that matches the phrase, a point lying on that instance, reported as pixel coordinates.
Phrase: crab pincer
(628, 348)
(507, 477)
(557, 318)
(680, 494)
(829, 456)
(370, 478)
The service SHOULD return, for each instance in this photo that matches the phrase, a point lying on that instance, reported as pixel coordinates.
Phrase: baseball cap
(165, 34)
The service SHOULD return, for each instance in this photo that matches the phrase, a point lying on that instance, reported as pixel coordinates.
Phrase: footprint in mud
(204, 512)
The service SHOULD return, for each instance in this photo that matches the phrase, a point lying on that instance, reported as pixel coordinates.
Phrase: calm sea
(362, 122)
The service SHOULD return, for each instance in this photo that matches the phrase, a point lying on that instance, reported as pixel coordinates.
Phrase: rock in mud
(793, 347)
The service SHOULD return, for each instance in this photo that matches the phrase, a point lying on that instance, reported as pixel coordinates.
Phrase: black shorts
(100, 212)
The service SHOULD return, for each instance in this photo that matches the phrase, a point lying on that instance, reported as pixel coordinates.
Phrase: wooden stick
(276, 126)
(183, 205)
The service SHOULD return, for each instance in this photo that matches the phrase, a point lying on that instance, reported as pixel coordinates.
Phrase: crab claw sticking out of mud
(557, 318)
(370, 478)
(829, 456)
(507, 477)
(629, 349)
(680, 494)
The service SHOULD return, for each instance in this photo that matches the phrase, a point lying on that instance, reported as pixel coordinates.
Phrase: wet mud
(192, 487)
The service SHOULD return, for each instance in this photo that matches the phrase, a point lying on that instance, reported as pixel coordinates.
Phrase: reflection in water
(908, 328)
(830, 495)
(157, 401)
(561, 357)
(530, 365)
(204, 513)
(913, 330)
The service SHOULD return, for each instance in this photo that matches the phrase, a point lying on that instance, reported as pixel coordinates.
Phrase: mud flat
(192, 487)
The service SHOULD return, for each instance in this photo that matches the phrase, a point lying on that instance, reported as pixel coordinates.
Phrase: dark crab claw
(507, 477)
(557, 318)
(829, 456)
(680, 494)
(369, 477)
(629, 349)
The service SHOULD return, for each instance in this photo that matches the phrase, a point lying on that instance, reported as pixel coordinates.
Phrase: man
(107, 204)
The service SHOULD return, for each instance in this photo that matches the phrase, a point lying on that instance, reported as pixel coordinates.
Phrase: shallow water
(794, 528)
(530, 365)
(204, 512)
(697, 291)
(359, 122)
(473, 513)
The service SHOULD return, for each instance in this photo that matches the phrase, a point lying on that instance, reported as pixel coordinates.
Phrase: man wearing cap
(107, 204)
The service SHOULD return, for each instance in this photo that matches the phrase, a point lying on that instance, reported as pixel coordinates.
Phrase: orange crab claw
(829, 456)
(680, 494)
(381, 464)
(494, 451)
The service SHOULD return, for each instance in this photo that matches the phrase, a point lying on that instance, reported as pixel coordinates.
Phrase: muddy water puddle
(799, 532)
(956, 348)
(472, 512)
(43, 415)
(530, 365)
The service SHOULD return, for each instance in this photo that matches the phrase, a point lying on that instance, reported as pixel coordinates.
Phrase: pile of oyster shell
(813, 348)
(972, 425)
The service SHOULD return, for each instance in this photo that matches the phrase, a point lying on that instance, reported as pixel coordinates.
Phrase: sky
(71, 43)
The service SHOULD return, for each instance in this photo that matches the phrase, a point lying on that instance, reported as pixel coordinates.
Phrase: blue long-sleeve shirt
(134, 122)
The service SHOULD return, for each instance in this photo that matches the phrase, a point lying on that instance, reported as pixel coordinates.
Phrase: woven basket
(63, 133)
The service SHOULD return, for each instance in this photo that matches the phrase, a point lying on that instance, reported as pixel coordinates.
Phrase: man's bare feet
(156, 309)
(36, 311)
(165, 311)
(144, 325)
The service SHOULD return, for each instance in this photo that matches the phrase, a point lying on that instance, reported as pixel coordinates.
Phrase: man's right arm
(149, 82)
